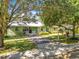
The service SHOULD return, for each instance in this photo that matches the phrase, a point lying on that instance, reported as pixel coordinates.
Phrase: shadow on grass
(63, 39)
(21, 45)
(14, 37)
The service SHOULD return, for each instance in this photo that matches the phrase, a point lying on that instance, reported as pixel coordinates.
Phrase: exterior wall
(25, 30)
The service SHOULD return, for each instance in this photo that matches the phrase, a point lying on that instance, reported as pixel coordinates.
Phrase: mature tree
(61, 12)
(11, 10)
(3, 16)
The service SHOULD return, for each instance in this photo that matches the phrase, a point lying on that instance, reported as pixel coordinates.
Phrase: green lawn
(63, 39)
(17, 45)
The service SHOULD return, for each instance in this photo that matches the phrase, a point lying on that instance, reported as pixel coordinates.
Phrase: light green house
(27, 28)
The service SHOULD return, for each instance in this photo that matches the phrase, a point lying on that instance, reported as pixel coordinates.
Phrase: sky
(33, 11)
(13, 1)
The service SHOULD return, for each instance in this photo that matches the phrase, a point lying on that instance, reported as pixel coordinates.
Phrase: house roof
(26, 23)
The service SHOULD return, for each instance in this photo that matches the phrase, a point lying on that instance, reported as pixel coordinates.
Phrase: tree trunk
(3, 20)
(73, 31)
(1, 40)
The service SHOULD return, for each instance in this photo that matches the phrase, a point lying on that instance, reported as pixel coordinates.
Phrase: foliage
(60, 12)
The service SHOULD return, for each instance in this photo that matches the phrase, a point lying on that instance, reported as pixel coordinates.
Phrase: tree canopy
(60, 12)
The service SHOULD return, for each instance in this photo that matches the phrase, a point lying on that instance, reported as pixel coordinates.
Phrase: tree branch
(12, 12)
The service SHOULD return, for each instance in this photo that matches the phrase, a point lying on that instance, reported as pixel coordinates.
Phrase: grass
(70, 41)
(17, 45)
(14, 37)
(44, 33)
(63, 39)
